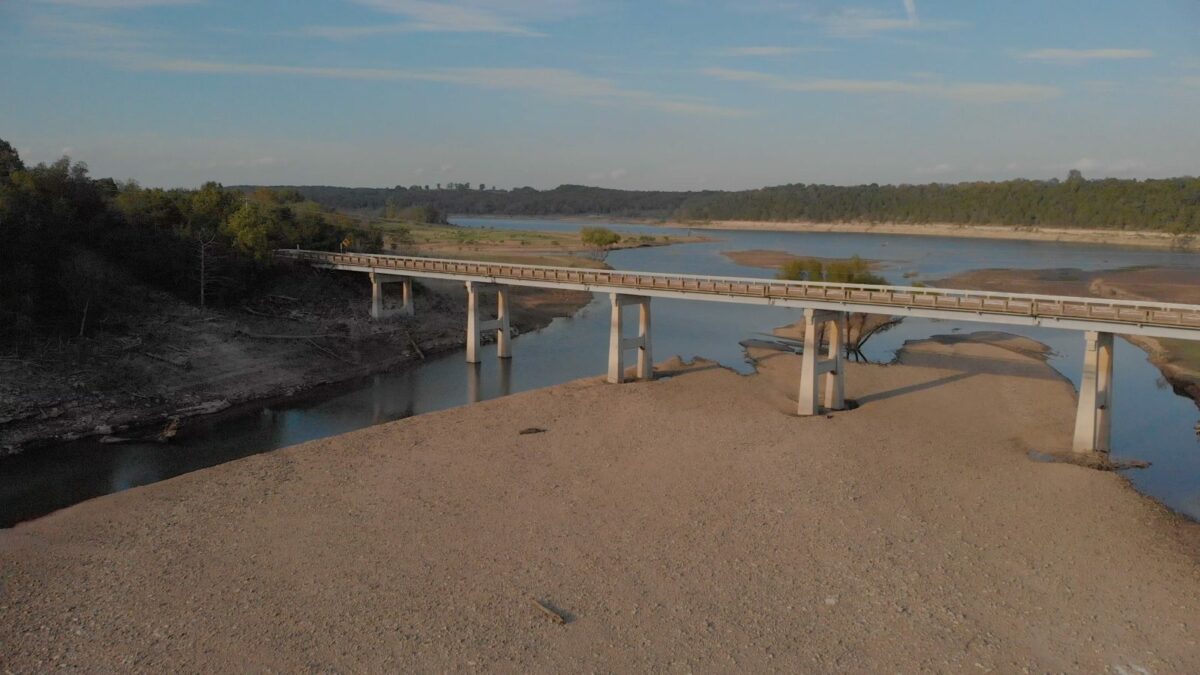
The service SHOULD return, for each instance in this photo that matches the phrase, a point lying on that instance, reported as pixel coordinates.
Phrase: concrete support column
(503, 336)
(376, 297)
(1093, 420)
(813, 366)
(407, 308)
(645, 357)
(476, 327)
(377, 282)
(618, 344)
(472, 323)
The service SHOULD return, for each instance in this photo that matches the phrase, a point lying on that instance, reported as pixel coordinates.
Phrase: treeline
(1171, 205)
(565, 200)
(71, 243)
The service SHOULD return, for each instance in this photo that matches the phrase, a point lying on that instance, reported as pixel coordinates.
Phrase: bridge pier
(476, 327)
(812, 366)
(1093, 420)
(377, 282)
(618, 344)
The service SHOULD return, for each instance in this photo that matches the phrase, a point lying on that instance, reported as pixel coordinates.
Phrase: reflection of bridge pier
(825, 304)
(475, 380)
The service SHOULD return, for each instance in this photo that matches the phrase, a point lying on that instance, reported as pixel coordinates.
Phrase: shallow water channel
(1151, 422)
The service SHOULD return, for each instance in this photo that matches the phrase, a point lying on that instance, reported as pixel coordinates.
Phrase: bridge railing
(901, 297)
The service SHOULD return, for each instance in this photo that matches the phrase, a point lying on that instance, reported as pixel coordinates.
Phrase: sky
(642, 94)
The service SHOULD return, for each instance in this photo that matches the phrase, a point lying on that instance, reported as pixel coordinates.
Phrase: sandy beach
(1163, 240)
(688, 524)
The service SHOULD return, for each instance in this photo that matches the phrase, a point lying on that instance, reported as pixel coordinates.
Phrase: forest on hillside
(75, 247)
(1170, 205)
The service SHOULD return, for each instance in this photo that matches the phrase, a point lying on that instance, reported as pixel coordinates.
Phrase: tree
(859, 325)
(600, 239)
(10, 161)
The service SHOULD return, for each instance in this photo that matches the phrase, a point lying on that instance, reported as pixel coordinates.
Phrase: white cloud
(966, 92)
(1077, 56)
(768, 50)
(554, 82)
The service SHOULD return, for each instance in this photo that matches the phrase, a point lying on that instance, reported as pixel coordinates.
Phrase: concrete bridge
(824, 304)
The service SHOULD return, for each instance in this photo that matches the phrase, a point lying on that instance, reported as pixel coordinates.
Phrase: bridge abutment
(1093, 420)
(618, 344)
(477, 327)
(813, 366)
(377, 282)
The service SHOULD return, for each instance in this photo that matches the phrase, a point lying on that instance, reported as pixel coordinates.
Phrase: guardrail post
(1093, 420)
(617, 343)
(812, 366)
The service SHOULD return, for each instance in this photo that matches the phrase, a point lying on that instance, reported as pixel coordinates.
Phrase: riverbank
(1155, 240)
(1178, 360)
(149, 372)
(688, 523)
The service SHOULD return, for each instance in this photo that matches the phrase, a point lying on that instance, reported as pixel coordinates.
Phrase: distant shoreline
(1131, 238)
(1140, 239)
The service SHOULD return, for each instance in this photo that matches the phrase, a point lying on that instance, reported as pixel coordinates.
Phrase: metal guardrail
(1133, 313)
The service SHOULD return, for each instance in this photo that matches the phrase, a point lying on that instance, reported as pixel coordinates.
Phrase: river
(1150, 423)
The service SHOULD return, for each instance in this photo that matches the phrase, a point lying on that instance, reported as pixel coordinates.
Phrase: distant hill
(1171, 204)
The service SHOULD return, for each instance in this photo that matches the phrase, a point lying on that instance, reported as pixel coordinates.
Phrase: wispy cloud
(64, 36)
(121, 4)
(1077, 56)
(769, 51)
(965, 92)
(553, 82)
(509, 17)
(862, 22)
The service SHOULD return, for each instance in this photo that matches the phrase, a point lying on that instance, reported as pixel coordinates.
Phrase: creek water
(1150, 423)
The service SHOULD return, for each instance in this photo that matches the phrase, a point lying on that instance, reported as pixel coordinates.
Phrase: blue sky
(674, 94)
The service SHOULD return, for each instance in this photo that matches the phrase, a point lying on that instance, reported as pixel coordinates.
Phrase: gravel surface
(690, 524)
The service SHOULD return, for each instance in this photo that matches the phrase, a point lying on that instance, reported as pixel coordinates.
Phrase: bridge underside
(823, 317)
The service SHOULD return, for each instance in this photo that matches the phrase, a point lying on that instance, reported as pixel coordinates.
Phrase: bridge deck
(1153, 319)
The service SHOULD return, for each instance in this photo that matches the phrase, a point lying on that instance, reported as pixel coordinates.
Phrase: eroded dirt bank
(310, 329)
(686, 524)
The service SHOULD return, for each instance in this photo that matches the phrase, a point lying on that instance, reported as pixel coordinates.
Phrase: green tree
(859, 326)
